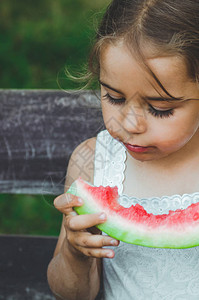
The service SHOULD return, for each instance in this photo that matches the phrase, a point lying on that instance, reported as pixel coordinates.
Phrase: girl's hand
(82, 237)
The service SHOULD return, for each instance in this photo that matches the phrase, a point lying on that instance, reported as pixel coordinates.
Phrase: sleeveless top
(136, 272)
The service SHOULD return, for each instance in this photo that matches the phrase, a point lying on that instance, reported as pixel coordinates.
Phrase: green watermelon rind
(134, 233)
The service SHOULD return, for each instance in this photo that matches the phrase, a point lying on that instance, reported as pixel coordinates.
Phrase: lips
(136, 148)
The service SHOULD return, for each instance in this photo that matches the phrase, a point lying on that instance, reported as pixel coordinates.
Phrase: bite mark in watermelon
(177, 229)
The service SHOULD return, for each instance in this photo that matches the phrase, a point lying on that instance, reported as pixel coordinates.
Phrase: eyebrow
(167, 99)
(110, 88)
(162, 99)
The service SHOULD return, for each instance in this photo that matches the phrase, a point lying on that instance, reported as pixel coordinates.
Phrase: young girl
(146, 58)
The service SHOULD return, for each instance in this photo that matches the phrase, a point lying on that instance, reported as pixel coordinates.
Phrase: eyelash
(154, 112)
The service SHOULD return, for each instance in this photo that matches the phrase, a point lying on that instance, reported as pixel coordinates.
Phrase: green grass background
(37, 40)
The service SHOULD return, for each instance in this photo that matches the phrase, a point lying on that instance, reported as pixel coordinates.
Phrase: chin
(142, 156)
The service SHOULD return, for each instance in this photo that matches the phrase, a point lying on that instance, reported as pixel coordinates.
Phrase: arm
(73, 276)
(75, 270)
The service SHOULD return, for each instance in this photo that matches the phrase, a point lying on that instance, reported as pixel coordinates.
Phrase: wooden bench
(39, 129)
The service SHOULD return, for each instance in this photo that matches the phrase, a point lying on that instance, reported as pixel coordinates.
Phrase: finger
(93, 252)
(65, 202)
(98, 252)
(82, 222)
(88, 240)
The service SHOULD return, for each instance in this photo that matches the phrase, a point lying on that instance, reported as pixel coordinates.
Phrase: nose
(134, 119)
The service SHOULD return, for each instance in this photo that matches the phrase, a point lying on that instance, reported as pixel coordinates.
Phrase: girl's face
(134, 107)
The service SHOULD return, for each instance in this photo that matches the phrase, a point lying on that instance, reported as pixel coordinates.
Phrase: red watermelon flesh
(177, 229)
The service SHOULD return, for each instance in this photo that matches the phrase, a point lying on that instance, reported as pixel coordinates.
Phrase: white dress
(136, 272)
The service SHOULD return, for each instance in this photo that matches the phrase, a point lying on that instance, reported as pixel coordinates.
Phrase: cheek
(111, 118)
(178, 134)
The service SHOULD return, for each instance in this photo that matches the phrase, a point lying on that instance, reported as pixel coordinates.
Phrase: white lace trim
(109, 167)
(161, 205)
(109, 170)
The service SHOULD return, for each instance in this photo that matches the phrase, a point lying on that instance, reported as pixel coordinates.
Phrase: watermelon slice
(177, 229)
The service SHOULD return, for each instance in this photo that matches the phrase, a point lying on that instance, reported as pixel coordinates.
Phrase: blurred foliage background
(38, 38)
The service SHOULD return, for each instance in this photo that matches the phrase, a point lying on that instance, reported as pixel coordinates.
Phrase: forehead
(117, 61)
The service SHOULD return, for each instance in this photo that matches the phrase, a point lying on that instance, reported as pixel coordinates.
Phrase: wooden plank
(39, 129)
(23, 267)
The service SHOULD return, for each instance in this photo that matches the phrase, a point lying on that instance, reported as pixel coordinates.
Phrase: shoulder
(81, 163)
(85, 147)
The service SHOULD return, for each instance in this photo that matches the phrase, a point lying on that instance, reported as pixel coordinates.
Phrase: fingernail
(80, 201)
(73, 213)
(114, 242)
(110, 254)
(102, 216)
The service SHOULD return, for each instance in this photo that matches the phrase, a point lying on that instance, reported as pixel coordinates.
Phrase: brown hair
(172, 26)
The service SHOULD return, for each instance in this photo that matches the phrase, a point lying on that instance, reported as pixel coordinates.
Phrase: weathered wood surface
(38, 132)
(23, 267)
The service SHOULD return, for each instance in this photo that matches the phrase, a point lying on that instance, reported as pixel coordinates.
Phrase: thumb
(66, 202)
